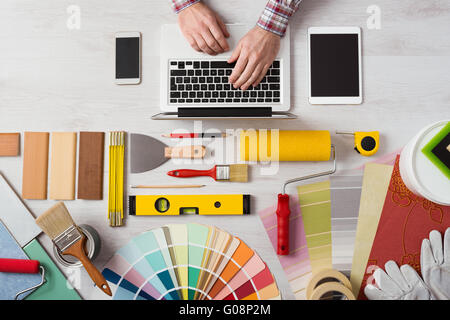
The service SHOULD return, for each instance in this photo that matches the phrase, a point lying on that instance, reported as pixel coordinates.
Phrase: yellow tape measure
(366, 143)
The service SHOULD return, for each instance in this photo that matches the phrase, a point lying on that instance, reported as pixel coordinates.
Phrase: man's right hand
(203, 29)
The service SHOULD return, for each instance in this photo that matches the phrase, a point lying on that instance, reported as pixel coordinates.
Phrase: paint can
(418, 173)
(93, 245)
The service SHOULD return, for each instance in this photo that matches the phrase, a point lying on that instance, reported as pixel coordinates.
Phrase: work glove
(397, 284)
(435, 264)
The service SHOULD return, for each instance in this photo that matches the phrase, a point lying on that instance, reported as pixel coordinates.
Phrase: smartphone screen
(127, 58)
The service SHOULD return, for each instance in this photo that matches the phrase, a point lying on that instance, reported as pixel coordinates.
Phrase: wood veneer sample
(9, 144)
(35, 165)
(63, 165)
(90, 165)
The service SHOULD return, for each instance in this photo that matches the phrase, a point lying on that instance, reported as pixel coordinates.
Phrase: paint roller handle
(283, 214)
(19, 265)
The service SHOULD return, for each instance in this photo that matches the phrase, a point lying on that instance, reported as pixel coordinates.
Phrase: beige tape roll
(318, 277)
(327, 287)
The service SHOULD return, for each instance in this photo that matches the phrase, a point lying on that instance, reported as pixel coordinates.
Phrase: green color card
(315, 205)
(56, 287)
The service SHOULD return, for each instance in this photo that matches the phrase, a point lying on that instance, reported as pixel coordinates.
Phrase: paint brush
(57, 223)
(232, 173)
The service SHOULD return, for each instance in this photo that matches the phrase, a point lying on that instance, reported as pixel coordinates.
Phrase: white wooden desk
(56, 79)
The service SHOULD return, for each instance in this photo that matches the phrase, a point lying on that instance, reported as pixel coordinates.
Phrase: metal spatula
(148, 153)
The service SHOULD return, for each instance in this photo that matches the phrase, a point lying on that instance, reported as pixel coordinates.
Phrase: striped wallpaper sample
(296, 265)
(315, 205)
(345, 193)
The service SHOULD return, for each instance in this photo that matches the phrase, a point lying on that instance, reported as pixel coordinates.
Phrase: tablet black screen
(334, 65)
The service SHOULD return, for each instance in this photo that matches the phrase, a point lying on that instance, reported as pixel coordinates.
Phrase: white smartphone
(128, 57)
(334, 65)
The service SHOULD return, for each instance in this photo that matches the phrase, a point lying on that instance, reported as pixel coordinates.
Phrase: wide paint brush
(57, 223)
(232, 173)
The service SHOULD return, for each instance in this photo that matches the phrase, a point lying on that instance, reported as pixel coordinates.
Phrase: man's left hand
(253, 55)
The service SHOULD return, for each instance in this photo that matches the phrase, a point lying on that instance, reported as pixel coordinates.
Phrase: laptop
(195, 85)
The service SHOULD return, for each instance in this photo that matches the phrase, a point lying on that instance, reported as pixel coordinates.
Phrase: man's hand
(254, 54)
(203, 29)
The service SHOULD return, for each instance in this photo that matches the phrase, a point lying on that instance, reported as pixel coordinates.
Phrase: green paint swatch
(56, 287)
(198, 235)
(437, 150)
(315, 205)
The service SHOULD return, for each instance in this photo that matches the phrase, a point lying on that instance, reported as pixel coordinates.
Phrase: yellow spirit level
(173, 205)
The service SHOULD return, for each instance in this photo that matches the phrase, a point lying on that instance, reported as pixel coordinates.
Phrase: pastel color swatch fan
(189, 262)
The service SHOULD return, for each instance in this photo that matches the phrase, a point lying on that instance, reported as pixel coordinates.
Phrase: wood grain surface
(35, 165)
(63, 165)
(90, 165)
(9, 144)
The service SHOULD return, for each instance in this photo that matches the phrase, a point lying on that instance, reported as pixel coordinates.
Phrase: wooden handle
(77, 250)
(185, 152)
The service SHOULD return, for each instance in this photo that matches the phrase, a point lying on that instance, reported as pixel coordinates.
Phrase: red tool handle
(19, 266)
(188, 173)
(184, 135)
(283, 214)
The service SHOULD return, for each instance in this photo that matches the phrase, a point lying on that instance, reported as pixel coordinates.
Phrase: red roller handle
(283, 214)
(188, 173)
(19, 266)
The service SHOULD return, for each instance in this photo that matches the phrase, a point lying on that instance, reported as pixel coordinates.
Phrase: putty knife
(148, 153)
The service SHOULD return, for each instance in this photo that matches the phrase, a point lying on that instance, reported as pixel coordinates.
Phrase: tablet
(334, 65)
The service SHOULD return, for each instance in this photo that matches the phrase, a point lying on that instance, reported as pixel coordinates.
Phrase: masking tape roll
(285, 145)
(328, 287)
(326, 274)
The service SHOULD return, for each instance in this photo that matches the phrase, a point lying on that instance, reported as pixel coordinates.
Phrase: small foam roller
(19, 266)
(294, 145)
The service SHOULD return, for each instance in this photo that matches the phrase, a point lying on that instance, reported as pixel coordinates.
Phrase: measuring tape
(366, 143)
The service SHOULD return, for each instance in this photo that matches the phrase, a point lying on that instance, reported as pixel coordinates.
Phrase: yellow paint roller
(285, 145)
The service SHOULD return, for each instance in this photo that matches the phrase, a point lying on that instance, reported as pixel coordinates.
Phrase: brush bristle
(55, 220)
(239, 172)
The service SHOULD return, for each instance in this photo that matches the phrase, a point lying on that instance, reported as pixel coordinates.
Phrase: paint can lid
(430, 181)
(92, 248)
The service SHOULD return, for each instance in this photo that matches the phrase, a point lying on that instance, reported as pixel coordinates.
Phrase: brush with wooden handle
(232, 173)
(57, 223)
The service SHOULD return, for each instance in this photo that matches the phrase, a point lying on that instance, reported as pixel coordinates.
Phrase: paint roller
(23, 266)
(287, 145)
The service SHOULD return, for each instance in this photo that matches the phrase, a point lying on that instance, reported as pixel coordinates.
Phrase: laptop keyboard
(206, 82)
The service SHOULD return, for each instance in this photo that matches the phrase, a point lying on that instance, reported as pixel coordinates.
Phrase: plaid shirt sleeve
(276, 15)
(179, 5)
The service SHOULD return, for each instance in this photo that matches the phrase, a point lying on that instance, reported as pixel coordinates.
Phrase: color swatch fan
(189, 262)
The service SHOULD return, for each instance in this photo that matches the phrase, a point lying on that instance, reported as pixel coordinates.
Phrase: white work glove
(397, 284)
(435, 264)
